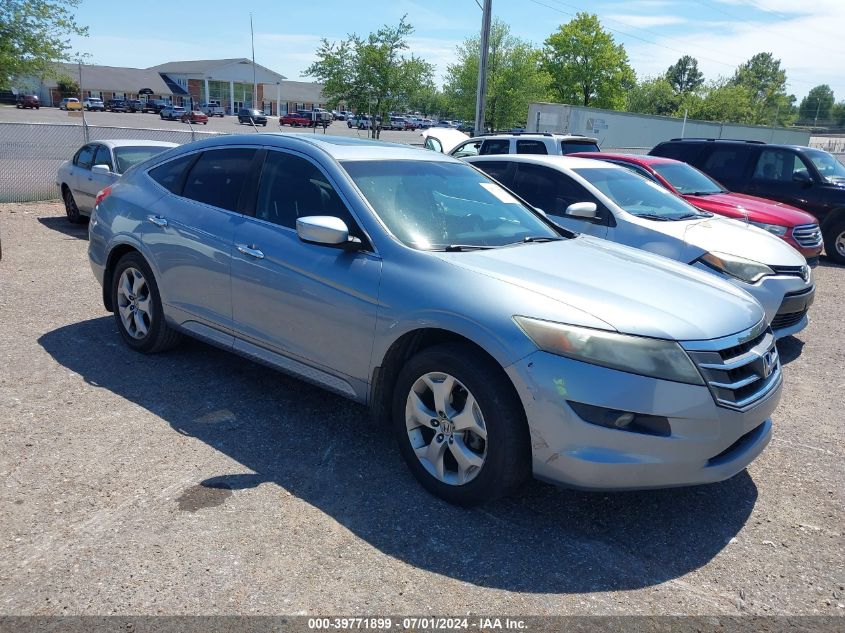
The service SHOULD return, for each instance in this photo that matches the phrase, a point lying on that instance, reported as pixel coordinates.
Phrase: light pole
(482, 67)
(818, 105)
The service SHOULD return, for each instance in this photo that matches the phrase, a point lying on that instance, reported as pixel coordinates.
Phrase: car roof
(550, 160)
(737, 141)
(135, 143)
(535, 135)
(337, 147)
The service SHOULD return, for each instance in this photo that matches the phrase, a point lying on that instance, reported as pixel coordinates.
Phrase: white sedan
(96, 166)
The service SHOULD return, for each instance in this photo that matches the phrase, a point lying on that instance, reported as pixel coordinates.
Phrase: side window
(726, 162)
(218, 177)
(495, 146)
(498, 170)
(779, 165)
(433, 144)
(103, 157)
(85, 157)
(530, 147)
(548, 189)
(467, 149)
(571, 147)
(292, 187)
(171, 174)
(686, 152)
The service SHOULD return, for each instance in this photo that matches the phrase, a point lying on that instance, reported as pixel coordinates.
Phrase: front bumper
(707, 443)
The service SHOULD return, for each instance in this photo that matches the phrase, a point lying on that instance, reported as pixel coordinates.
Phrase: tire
(147, 331)
(834, 240)
(493, 467)
(72, 211)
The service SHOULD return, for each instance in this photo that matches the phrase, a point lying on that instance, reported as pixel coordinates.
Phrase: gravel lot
(196, 482)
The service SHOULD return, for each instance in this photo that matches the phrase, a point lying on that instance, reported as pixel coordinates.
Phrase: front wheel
(137, 307)
(460, 426)
(834, 240)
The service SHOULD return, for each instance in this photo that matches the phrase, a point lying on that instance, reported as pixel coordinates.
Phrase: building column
(232, 96)
(207, 96)
(278, 99)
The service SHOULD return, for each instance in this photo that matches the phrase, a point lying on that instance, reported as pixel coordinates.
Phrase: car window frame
(93, 147)
(107, 150)
(251, 190)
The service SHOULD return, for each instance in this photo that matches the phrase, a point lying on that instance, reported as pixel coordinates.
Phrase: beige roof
(115, 78)
(301, 92)
(204, 66)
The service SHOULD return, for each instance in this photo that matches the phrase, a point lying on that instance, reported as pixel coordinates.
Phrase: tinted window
(727, 162)
(85, 156)
(571, 147)
(530, 147)
(495, 146)
(500, 170)
(687, 152)
(292, 187)
(779, 165)
(171, 174)
(218, 177)
(103, 157)
(548, 189)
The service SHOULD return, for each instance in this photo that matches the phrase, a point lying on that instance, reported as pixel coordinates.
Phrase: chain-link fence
(31, 153)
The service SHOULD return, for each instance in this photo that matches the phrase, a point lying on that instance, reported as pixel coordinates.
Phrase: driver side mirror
(586, 210)
(326, 230)
(101, 169)
(802, 177)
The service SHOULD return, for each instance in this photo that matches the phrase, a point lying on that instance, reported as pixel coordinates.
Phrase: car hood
(759, 209)
(630, 290)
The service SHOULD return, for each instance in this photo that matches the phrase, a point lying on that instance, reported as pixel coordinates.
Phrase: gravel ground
(197, 482)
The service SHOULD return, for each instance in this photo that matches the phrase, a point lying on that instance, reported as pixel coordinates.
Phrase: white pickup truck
(212, 108)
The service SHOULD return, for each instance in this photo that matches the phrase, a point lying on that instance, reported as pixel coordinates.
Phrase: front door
(90, 183)
(782, 175)
(314, 303)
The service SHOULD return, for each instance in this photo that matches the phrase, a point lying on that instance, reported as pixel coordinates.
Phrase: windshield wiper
(653, 216)
(459, 248)
(701, 214)
(702, 193)
(541, 238)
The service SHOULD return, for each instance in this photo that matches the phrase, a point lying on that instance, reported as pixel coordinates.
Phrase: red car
(799, 229)
(194, 116)
(294, 120)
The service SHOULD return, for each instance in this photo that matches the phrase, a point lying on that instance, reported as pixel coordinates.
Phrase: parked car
(362, 122)
(27, 101)
(797, 228)
(154, 105)
(522, 143)
(556, 362)
(248, 115)
(171, 112)
(213, 108)
(93, 103)
(809, 179)
(294, 119)
(134, 105)
(194, 116)
(96, 166)
(613, 203)
(117, 105)
(70, 103)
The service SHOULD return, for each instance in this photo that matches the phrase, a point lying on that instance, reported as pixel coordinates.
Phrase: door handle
(157, 220)
(251, 251)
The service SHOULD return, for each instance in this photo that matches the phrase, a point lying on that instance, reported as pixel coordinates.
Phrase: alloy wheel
(134, 303)
(839, 244)
(446, 428)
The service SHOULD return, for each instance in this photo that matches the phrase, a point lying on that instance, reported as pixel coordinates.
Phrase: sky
(808, 37)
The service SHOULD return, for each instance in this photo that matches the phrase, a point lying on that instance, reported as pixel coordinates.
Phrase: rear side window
(171, 174)
(495, 146)
(218, 177)
(726, 162)
(686, 152)
(530, 147)
(571, 147)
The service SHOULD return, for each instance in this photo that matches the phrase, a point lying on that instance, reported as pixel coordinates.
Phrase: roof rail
(512, 133)
(733, 140)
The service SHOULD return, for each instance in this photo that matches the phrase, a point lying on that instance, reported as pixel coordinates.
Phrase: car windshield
(127, 157)
(829, 168)
(433, 205)
(636, 195)
(687, 180)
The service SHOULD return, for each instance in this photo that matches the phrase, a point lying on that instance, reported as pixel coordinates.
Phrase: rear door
(729, 164)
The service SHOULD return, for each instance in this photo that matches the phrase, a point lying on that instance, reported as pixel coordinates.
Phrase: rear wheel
(834, 240)
(461, 428)
(72, 211)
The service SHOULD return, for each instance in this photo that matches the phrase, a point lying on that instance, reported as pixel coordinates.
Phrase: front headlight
(774, 229)
(739, 267)
(634, 354)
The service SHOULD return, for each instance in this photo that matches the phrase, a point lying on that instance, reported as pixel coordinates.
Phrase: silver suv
(522, 143)
(493, 343)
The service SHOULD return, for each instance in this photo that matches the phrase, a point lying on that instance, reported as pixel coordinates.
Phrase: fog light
(622, 420)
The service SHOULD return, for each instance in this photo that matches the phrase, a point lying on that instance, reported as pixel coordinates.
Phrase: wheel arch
(114, 256)
(832, 216)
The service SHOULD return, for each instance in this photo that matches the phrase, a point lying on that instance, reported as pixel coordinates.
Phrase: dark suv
(117, 105)
(249, 115)
(134, 105)
(27, 101)
(803, 177)
(154, 105)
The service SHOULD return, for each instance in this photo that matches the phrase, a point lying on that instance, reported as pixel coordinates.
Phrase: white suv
(520, 143)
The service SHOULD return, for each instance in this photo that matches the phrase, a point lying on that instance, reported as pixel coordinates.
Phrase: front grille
(808, 235)
(738, 370)
(795, 271)
(787, 320)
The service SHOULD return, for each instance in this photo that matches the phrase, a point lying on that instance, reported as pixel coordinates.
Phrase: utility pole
(482, 67)
(818, 105)
(254, 86)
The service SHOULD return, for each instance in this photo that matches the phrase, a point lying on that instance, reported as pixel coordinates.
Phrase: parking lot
(199, 482)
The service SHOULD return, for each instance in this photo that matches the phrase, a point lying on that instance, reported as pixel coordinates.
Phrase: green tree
(765, 80)
(724, 102)
(817, 105)
(837, 115)
(514, 79)
(67, 86)
(372, 75)
(684, 75)
(653, 96)
(586, 65)
(34, 35)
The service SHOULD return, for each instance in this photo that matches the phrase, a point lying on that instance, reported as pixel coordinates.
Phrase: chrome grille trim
(740, 370)
(807, 235)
